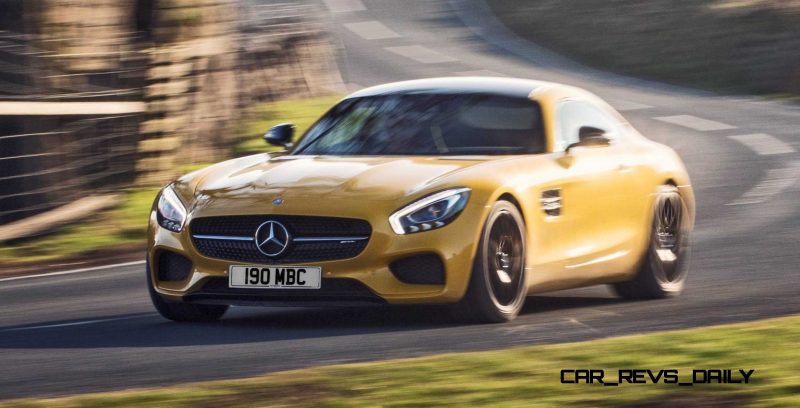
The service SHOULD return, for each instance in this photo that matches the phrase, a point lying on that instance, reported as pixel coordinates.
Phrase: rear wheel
(497, 286)
(664, 269)
(183, 312)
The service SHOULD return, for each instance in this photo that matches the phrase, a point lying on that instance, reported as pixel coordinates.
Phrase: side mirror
(590, 136)
(280, 135)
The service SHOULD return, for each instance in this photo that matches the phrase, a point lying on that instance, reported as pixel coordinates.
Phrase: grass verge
(302, 112)
(519, 377)
(123, 225)
(724, 45)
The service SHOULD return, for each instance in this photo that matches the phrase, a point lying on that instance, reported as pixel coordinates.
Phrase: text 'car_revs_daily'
(647, 376)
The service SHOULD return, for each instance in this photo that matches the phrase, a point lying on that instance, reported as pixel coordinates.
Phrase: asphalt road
(96, 330)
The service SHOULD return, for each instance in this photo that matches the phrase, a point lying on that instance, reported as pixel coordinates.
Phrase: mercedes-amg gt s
(473, 192)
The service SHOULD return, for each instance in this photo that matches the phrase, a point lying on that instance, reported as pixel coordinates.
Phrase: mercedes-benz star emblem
(272, 238)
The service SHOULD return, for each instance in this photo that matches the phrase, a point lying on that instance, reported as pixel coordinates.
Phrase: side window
(347, 134)
(343, 125)
(574, 114)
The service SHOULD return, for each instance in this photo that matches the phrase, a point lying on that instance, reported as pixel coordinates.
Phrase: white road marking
(693, 122)
(776, 181)
(746, 99)
(344, 6)
(371, 30)
(480, 72)
(623, 105)
(74, 271)
(763, 144)
(420, 54)
(580, 323)
(79, 323)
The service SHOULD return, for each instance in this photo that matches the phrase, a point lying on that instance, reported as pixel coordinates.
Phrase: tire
(183, 312)
(497, 287)
(664, 267)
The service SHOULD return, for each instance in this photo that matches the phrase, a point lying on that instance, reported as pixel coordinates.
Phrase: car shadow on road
(255, 325)
(554, 303)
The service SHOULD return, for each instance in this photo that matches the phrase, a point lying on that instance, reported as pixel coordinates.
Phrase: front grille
(315, 238)
(173, 267)
(419, 269)
(331, 290)
(306, 226)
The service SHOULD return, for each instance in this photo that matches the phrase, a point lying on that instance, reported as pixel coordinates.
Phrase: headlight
(171, 212)
(431, 212)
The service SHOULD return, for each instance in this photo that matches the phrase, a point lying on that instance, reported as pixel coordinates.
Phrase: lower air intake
(426, 269)
(173, 267)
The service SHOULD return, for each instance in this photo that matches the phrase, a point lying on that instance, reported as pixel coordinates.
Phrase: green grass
(519, 377)
(124, 224)
(729, 46)
(302, 112)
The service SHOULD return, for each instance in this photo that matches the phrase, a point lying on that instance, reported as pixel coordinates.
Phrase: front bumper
(363, 278)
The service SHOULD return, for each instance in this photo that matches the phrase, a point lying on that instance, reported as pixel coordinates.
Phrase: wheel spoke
(667, 239)
(504, 276)
(505, 262)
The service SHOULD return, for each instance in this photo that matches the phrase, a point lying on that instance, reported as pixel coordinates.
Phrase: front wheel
(497, 287)
(664, 268)
(183, 312)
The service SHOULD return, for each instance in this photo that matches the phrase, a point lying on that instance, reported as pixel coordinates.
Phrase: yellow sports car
(472, 192)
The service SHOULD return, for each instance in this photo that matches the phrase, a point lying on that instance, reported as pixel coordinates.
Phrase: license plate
(274, 277)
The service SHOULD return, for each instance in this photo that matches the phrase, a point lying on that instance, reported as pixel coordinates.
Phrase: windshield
(427, 124)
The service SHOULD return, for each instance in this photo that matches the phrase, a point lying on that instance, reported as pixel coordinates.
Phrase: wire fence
(43, 170)
(54, 150)
(50, 157)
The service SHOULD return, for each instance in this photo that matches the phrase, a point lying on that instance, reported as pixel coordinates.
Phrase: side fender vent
(551, 202)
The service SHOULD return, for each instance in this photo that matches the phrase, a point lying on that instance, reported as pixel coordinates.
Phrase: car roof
(512, 87)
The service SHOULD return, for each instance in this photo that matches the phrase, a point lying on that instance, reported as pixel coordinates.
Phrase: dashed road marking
(776, 181)
(371, 30)
(623, 105)
(421, 54)
(693, 122)
(480, 72)
(763, 144)
(344, 6)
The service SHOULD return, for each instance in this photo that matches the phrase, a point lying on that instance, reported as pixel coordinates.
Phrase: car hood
(356, 178)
